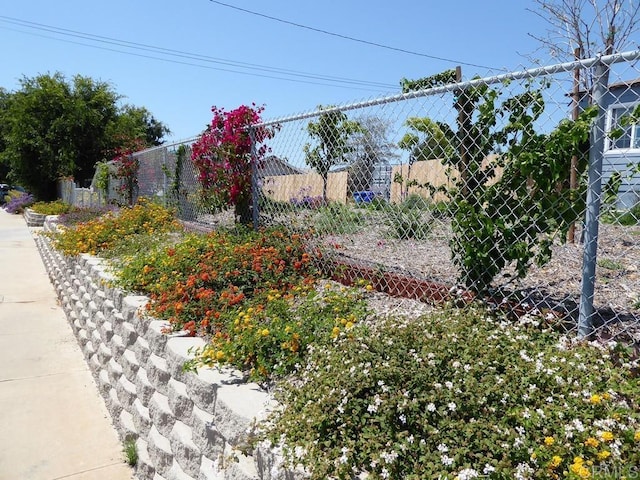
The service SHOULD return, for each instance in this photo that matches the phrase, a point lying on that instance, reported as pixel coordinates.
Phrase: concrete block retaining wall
(187, 426)
(33, 219)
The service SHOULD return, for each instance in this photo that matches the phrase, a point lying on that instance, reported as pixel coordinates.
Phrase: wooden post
(573, 172)
(464, 118)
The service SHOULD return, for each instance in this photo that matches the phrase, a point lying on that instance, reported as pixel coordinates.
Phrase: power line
(208, 67)
(191, 56)
(353, 39)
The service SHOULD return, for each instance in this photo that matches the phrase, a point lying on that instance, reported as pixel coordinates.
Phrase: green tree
(138, 123)
(331, 132)
(428, 139)
(52, 127)
(5, 97)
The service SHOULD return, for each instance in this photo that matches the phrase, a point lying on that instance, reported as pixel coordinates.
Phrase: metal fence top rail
(167, 145)
(517, 75)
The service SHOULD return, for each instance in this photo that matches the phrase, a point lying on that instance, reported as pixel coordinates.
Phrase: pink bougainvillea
(223, 156)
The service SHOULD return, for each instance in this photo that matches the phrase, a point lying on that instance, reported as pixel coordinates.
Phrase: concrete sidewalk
(53, 423)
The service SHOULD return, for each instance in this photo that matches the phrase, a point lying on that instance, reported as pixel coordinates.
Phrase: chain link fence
(521, 186)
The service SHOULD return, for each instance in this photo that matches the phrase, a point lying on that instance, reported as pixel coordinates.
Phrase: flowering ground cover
(99, 236)
(461, 394)
(457, 394)
(252, 294)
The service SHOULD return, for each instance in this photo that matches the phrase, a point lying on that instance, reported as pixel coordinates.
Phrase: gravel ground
(555, 285)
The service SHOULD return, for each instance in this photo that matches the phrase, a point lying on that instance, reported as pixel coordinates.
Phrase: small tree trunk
(325, 180)
(242, 210)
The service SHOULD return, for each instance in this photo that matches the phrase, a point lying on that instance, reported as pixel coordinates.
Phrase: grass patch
(610, 264)
(130, 452)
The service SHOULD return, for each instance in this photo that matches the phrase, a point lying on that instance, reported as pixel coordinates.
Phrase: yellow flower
(369, 287)
(603, 455)
(548, 441)
(636, 437)
(349, 325)
(606, 436)
(219, 355)
(264, 332)
(606, 396)
(555, 461)
(335, 332)
(595, 399)
(579, 469)
(591, 442)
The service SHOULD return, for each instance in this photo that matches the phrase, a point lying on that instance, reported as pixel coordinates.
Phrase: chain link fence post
(594, 194)
(255, 187)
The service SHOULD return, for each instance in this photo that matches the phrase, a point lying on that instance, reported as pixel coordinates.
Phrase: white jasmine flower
(446, 460)
(523, 472)
(467, 474)
(389, 457)
(488, 469)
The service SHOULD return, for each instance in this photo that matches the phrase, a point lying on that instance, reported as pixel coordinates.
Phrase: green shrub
(626, 218)
(110, 230)
(415, 201)
(56, 207)
(377, 204)
(460, 394)
(270, 334)
(339, 219)
(408, 222)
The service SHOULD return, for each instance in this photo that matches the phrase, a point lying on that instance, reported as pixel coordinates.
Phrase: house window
(630, 134)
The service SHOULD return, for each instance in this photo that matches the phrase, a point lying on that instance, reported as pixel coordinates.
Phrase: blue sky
(180, 91)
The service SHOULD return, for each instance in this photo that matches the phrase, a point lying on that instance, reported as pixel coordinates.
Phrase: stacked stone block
(33, 219)
(187, 426)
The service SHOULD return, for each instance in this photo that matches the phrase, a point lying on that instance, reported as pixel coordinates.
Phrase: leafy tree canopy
(331, 133)
(53, 127)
